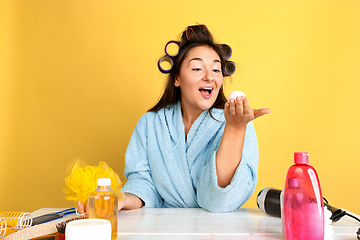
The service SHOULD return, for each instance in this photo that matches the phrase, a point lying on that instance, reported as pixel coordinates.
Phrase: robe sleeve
(137, 169)
(216, 199)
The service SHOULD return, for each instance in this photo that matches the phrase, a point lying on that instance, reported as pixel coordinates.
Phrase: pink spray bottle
(303, 207)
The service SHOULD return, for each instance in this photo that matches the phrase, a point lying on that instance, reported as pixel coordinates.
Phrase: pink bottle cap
(301, 158)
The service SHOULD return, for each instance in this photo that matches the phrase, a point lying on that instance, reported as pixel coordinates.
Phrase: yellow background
(75, 76)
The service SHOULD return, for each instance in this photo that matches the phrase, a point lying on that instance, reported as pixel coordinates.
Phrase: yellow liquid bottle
(103, 203)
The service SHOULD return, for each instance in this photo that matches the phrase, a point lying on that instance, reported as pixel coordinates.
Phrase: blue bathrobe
(167, 171)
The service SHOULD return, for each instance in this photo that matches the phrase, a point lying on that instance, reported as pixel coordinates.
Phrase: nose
(208, 76)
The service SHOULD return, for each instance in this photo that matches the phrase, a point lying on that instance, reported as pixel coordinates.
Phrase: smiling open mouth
(206, 92)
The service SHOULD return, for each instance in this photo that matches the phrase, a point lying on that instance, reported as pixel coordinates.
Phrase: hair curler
(169, 48)
(229, 68)
(2, 227)
(169, 61)
(12, 221)
(227, 51)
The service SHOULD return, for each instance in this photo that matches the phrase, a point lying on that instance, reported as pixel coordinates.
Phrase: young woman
(193, 148)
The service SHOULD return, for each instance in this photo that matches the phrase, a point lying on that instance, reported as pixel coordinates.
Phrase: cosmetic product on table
(303, 208)
(103, 204)
(88, 229)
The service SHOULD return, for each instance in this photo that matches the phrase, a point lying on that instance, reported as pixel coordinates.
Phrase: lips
(206, 91)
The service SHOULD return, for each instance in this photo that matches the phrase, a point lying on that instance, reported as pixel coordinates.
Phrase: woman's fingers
(233, 106)
(240, 105)
(255, 112)
(241, 108)
(246, 109)
(261, 112)
(81, 209)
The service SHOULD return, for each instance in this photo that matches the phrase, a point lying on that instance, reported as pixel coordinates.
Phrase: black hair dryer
(268, 201)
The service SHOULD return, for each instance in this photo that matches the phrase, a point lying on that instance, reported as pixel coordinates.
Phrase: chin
(206, 106)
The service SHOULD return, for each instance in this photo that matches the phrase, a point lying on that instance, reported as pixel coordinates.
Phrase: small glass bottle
(303, 207)
(103, 203)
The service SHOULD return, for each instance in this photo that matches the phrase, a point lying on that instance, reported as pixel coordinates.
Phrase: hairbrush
(45, 231)
(62, 226)
(51, 216)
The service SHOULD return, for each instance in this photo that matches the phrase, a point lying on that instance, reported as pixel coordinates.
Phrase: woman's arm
(130, 201)
(237, 114)
(214, 198)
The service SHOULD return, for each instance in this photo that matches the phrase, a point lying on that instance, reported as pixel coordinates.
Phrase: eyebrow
(200, 59)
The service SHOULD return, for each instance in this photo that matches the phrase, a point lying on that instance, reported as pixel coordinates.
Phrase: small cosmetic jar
(88, 229)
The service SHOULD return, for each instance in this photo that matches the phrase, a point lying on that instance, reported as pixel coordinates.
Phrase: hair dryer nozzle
(268, 201)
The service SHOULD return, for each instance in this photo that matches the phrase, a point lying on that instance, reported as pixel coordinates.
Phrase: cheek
(219, 81)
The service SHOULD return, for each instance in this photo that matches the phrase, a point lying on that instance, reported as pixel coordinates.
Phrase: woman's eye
(196, 69)
(217, 70)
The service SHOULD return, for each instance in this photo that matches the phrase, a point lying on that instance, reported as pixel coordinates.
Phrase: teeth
(207, 89)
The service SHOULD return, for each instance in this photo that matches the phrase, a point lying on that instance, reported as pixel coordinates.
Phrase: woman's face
(200, 79)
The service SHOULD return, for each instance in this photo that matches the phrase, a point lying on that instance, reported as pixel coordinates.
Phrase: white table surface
(198, 224)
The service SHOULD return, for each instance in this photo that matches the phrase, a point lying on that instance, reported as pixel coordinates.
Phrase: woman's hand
(130, 201)
(238, 112)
